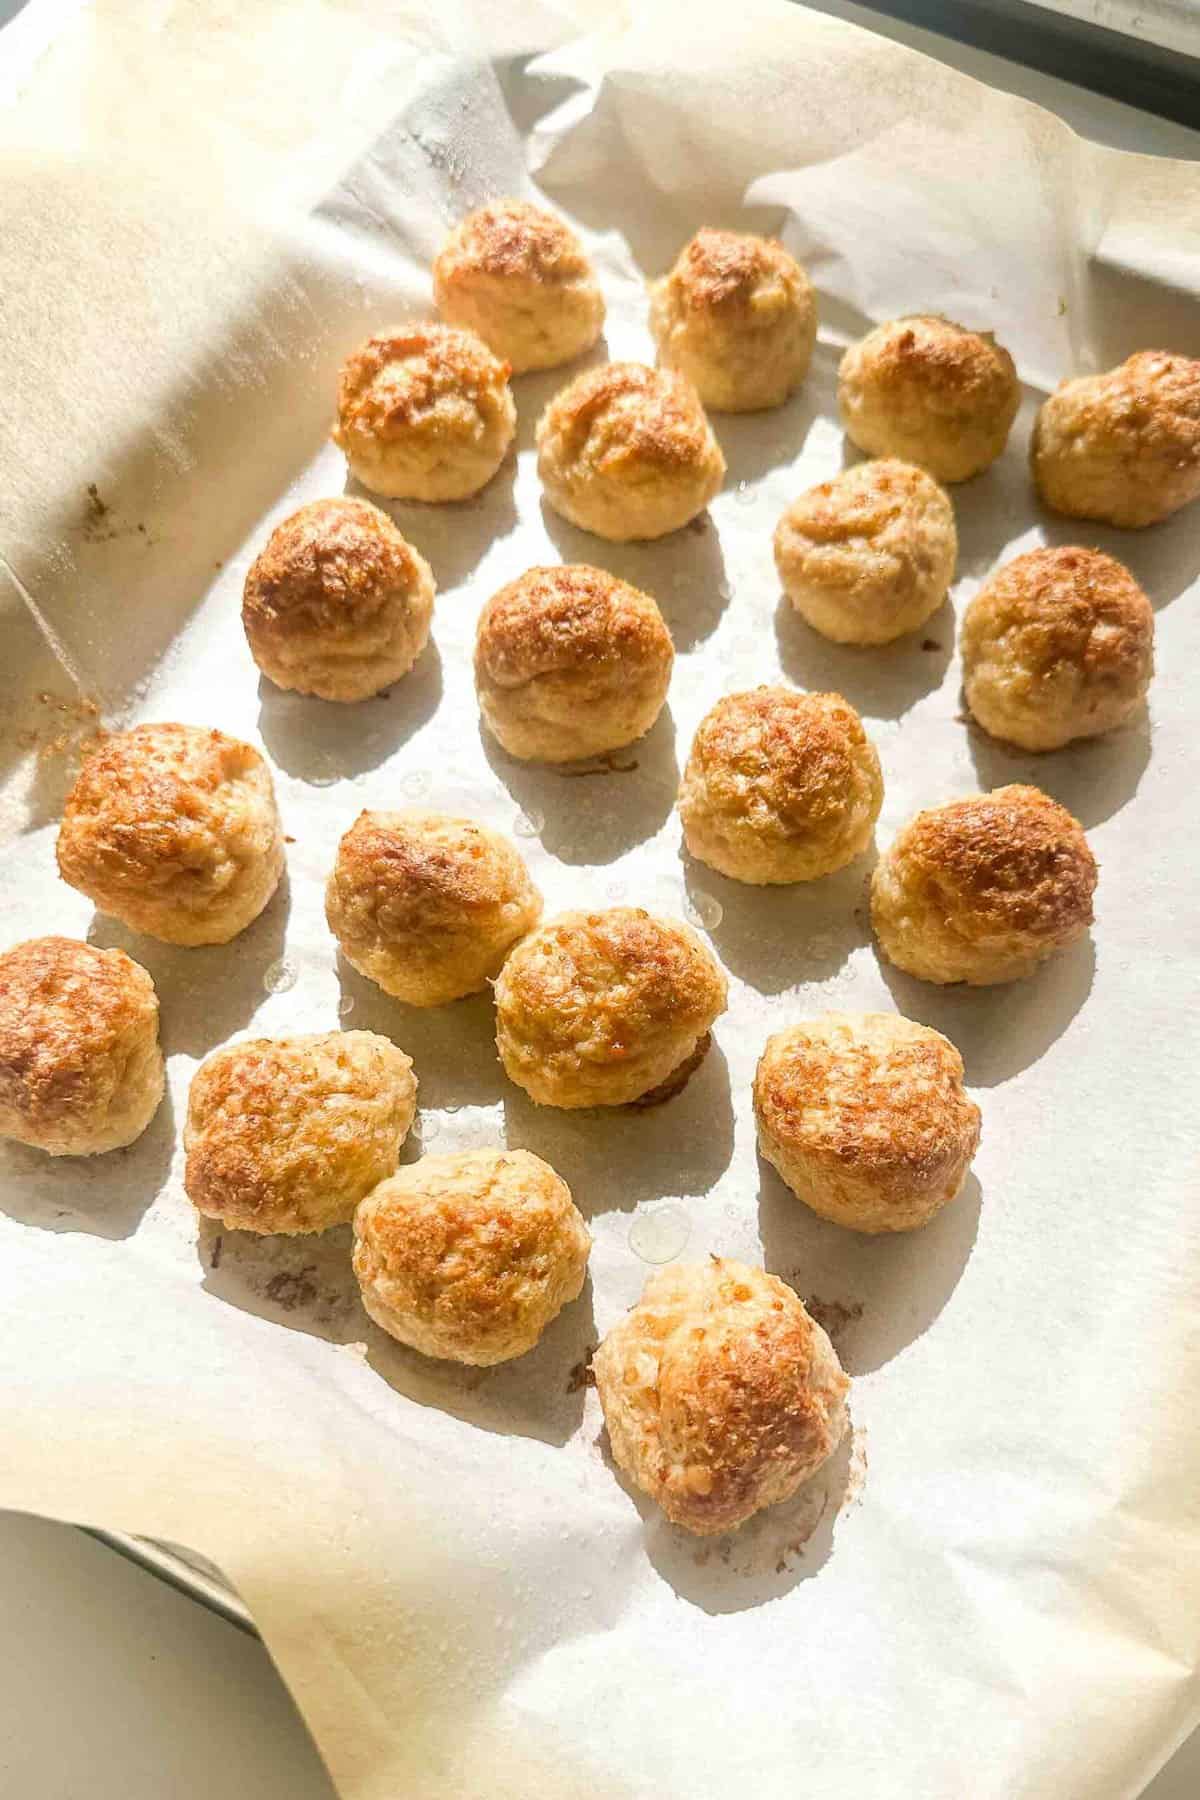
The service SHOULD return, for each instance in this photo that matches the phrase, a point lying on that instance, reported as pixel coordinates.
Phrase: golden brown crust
(470, 1256)
(737, 316)
(596, 1009)
(982, 890)
(80, 1067)
(626, 451)
(570, 662)
(931, 392)
(337, 603)
(720, 1393)
(427, 905)
(288, 1134)
(780, 786)
(869, 555)
(173, 829)
(865, 1118)
(1057, 645)
(1122, 447)
(519, 276)
(424, 413)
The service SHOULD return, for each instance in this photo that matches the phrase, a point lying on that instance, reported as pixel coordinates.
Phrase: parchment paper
(993, 1589)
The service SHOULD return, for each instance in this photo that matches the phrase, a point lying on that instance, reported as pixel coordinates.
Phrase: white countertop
(116, 1687)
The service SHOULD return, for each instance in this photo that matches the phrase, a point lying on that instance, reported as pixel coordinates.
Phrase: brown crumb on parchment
(603, 765)
(930, 644)
(290, 1288)
(582, 1375)
(214, 1261)
(833, 1316)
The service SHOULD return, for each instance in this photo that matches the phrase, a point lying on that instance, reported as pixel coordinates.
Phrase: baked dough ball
(720, 1393)
(424, 413)
(286, 1135)
(869, 555)
(738, 317)
(470, 1256)
(1058, 645)
(1123, 447)
(518, 276)
(173, 830)
(338, 604)
(80, 1066)
(570, 662)
(602, 1008)
(780, 786)
(428, 906)
(983, 890)
(930, 392)
(627, 452)
(865, 1118)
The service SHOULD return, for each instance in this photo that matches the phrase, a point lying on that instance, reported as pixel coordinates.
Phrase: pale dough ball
(930, 392)
(738, 317)
(286, 1135)
(428, 906)
(80, 1066)
(519, 277)
(720, 1394)
(780, 786)
(604, 1008)
(983, 890)
(470, 1256)
(424, 413)
(173, 830)
(869, 555)
(1123, 447)
(338, 604)
(865, 1117)
(1058, 645)
(627, 452)
(570, 662)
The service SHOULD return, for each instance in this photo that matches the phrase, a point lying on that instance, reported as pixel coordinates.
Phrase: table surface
(118, 1688)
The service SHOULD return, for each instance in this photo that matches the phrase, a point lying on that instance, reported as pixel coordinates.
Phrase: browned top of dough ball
(725, 268)
(646, 415)
(512, 237)
(329, 568)
(65, 1009)
(398, 377)
(1069, 605)
(794, 751)
(955, 368)
(1015, 857)
(425, 870)
(567, 617)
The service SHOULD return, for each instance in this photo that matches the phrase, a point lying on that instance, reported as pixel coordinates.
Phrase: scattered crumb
(1062, 303)
(72, 722)
(930, 644)
(582, 1375)
(603, 765)
(290, 1288)
(834, 1315)
(97, 509)
(699, 524)
(288, 840)
(218, 564)
(214, 1261)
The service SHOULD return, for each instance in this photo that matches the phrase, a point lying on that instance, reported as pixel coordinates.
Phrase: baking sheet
(992, 1589)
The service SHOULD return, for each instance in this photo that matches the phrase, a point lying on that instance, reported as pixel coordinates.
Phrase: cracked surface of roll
(930, 392)
(81, 1071)
(1057, 645)
(1122, 447)
(865, 1117)
(601, 1008)
(518, 276)
(984, 889)
(287, 1135)
(424, 412)
(737, 316)
(720, 1393)
(470, 1256)
(337, 603)
(173, 830)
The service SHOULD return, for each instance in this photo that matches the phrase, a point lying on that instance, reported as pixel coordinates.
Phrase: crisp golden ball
(471, 1256)
(604, 1008)
(1122, 447)
(428, 906)
(737, 316)
(338, 604)
(720, 1394)
(865, 1117)
(780, 786)
(518, 277)
(983, 890)
(570, 662)
(80, 1067)
(288, 1134)
(869, 555)
(627, 452)
(1058, 645)
(173, 830)
(930, 392)
(424, 413)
